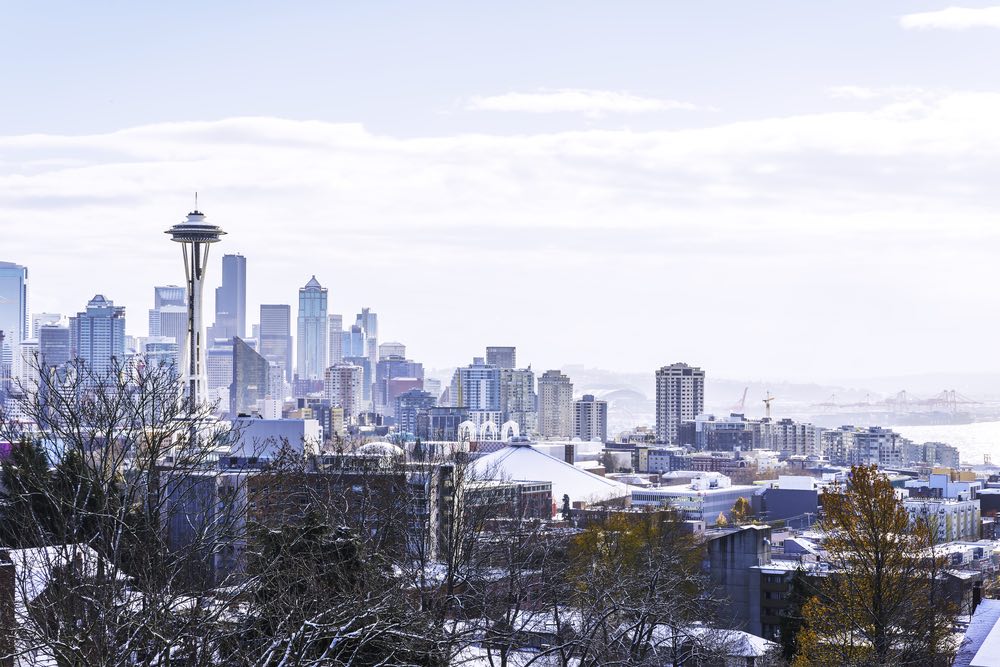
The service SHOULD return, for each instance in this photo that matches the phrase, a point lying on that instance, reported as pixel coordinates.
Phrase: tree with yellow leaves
(881, 602)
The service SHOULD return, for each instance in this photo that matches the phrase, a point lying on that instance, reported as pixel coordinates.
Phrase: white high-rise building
(680, 396)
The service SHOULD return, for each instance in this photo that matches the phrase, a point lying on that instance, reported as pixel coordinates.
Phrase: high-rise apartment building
(231, 299)
(250, 379)
(518, 400)
(276, 336)
(342, 384)
(476, 387)
(555, 405)
(312, 330)
(502, 357)
(590, 419)
(680, 396)
(97, 335)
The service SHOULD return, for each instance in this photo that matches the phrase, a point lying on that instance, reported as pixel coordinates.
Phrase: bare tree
(120, 517)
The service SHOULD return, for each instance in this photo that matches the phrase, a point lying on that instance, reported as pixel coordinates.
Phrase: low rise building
(705, 498)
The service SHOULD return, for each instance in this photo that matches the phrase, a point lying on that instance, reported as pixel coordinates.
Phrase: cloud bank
(616, 248)
(589, 102)
(953, 18)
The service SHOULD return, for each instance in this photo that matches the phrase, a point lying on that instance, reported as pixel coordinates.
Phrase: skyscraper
(53, 345)
(680, 396)
(591, 419)
(173, 324)
(165, 295)
(13, 311)
(502, 357)
(335, 336)
(250, 378)
(276, 336)
(39, 320)
(555, 405)
(368, 321)
(97, 335)
(312, 330)
(231, 299)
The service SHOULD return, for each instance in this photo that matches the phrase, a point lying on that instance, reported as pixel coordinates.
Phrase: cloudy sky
(772, 189)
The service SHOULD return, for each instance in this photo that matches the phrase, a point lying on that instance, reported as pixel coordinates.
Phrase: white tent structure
(522, 462)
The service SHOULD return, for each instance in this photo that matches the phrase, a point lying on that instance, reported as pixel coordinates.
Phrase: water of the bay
(973, 440)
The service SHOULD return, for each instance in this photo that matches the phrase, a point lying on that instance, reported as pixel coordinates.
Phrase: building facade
(312, 331)
(518, 401)
(680, 396)
(231, 299)
(250, 379)
(590, 419)
(97, 335)
(276, 336)
(342, 385)
(501, 357)
(555, 405)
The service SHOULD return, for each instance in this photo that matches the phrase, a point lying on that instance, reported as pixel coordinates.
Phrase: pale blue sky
(792, 189)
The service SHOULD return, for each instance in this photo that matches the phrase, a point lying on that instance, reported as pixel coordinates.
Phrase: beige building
(342, 385)
(555, 405)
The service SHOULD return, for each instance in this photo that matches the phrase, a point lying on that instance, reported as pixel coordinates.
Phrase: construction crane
(738, 408)
(767, 404)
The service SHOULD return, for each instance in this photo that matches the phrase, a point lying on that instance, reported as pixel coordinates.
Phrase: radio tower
(195, 235)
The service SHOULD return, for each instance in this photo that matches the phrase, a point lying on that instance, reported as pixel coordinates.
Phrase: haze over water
(973, 440)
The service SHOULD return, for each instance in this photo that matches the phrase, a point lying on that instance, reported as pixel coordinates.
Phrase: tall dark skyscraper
(231, 299)
(53, 345)
(276, 336)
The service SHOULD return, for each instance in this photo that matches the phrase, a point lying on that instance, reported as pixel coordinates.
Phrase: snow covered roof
(522, 462)
(981, 645)
(33, 568)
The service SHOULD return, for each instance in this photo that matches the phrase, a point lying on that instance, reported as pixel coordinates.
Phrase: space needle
(195, 234)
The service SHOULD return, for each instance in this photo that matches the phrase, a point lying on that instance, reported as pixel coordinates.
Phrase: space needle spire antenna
(195, 234)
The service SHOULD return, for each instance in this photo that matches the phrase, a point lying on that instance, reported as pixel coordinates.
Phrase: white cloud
(887, 210)
(953, 18)
(590, 102)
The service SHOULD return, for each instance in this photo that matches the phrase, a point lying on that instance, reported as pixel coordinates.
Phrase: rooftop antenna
(196, 201)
